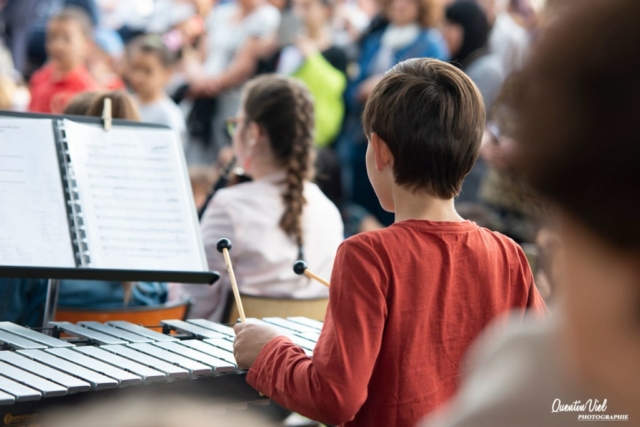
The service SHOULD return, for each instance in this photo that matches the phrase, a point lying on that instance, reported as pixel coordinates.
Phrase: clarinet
(230, 175)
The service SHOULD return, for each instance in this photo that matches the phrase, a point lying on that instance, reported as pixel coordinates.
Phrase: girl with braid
(278, 217)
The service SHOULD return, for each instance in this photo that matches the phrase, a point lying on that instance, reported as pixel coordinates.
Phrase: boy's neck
(150, 98)
(422, 206)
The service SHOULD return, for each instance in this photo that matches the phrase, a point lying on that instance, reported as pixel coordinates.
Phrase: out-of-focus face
(66, 44)
(453, 35)
(601, 304)
(203, 6)
(403, 12)
(313, 13)
(146, 74)
(381, 180)
(250, 4)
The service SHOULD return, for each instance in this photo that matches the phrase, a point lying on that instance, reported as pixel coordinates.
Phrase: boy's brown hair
(153, 44)
(432, 117)
(78, 15)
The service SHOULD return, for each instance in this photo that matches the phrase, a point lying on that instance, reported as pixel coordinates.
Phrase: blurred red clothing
(51, 93)
(405, 304)
(116, 83)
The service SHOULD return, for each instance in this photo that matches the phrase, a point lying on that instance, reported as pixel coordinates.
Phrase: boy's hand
(250, 339)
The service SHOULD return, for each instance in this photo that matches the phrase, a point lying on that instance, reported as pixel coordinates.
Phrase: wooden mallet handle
(224, 245)
(300, 268)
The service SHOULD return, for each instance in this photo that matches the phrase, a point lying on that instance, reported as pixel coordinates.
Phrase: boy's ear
(381, 151)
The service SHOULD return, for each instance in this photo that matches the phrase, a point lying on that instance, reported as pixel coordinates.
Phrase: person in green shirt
(312, 57)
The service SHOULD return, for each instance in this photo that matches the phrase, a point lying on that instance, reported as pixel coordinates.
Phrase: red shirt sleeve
(331, 387)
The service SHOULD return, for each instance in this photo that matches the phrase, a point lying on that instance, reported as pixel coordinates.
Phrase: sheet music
(135, 198)
(34, 230)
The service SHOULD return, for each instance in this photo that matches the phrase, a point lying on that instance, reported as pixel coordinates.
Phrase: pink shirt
(263, 255)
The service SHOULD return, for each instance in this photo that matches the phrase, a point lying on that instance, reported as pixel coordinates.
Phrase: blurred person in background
(350, 19)
(150, 65)
(524, 13)
(508, 40)
(129, 18)
(313, 58)
(309, 54)
(502, 190)
(406, 31)
(105, 62)
(69, 37)
(236, 35)
(45, 11)
(466, 31)
(16, 18)
(13, 94)
(7, 92)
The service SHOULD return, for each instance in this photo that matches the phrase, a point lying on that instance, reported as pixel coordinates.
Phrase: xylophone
(100, 360)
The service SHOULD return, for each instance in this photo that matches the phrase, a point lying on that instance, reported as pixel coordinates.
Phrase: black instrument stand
(53, 289)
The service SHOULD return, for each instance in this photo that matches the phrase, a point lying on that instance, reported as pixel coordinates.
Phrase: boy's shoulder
(41, 74)
(405, 233)
(511, 252)
(369, 238)
(505, 241)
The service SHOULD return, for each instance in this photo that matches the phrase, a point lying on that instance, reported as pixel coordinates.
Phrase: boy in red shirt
(406, 301)
(65, 75)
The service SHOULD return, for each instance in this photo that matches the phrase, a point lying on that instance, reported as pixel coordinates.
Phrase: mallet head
(299, 267)
(223, 244)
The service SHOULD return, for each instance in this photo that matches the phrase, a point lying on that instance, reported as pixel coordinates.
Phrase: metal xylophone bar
(40, 370)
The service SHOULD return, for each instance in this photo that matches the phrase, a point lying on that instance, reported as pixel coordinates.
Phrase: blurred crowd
(183, 63)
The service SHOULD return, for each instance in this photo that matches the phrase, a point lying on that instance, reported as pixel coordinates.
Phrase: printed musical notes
(34, 230)
(135, 198)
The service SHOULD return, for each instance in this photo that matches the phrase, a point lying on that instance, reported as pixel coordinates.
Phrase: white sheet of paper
(34, 230)
(135, 198)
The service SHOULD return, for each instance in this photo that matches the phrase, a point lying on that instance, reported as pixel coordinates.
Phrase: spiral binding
(74, 208)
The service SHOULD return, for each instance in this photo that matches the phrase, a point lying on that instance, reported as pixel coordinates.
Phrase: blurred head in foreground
(579, 146)
(153, 412)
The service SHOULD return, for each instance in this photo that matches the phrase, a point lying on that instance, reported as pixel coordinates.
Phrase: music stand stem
(53, 287)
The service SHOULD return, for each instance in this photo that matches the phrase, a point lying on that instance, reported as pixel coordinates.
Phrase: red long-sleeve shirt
(50, 94)
(405, 303)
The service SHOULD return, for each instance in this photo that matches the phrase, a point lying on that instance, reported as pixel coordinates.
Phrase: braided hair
(283, 108)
